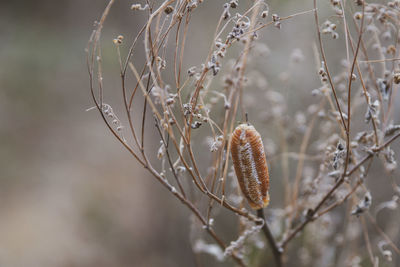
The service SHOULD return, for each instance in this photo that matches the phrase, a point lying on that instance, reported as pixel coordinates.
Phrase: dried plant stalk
(184, 106)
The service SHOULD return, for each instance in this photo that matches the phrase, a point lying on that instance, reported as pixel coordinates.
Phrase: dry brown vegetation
(321, 157)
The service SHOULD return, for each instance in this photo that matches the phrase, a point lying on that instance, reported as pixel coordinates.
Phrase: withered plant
(324, 216)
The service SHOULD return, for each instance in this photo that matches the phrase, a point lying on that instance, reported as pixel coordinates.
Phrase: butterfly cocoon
(250, 165)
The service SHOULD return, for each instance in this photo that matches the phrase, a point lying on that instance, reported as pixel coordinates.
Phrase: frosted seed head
(169, 10)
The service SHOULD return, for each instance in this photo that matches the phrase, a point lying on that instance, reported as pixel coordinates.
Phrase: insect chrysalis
(250, 164)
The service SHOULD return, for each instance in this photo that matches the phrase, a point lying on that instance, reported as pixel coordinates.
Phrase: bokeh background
(70, 195)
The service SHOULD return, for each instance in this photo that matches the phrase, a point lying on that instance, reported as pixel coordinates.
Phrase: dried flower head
(169, 10)
(118, 40)
(264, 14)
(364, 204)
(139, 7)
(396, 78)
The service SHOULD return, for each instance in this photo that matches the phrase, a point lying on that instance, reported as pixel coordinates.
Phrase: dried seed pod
(250, 165)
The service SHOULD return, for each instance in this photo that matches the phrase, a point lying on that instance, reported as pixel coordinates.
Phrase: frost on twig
(215, 143)
(384, 87)
(387, 254)
(338, 155)
(372, 111)
(161, 150)
(392, 129)
(112, 117)
(389, 159)
(391, 204)
(202, 247)
(238, 243)
(139, 7)
(363, 205)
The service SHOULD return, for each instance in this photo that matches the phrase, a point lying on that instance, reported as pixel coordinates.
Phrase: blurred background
(70, 195)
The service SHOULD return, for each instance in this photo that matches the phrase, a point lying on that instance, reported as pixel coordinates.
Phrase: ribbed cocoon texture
(250, 164)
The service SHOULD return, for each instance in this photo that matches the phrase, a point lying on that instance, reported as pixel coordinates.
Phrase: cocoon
(250, 165)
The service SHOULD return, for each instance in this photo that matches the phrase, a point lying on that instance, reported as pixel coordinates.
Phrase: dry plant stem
(238, 260)
(311, 214)
(194, 98)
(276, 250)
(388, 113)
(176, 135)
(303, 147)
(204, 189)
(228, 143)
(228, 149)
(367, 241)
(152, 171)
(182, 48)
(244, 56)
(144, 112)
(341, 261)
(214, 178)
(229, 113)
(177, 73)
(227, 128)
(370, 70)
(91, 53)
(336, 204)
(169, 187)
(390, 108)
(154, 52)
(384, 235)
(123, 75)
(338, 120)
(352, 191)
(346, 164)
(284, 162)
(346, 127)
(176, 53)
(150, 67)
(144, 162)
(238, 88)
(380, 60)
(321, 47)
(380, 52)
(136, 87)
(196, 212)
(169, 159)
(374, 124)
(346, 33)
